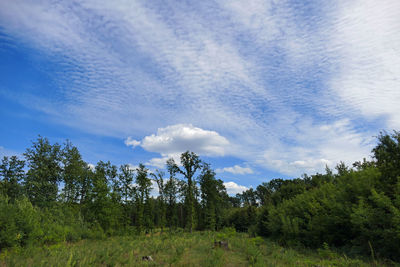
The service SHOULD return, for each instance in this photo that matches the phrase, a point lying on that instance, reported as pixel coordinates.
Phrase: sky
(258, 89)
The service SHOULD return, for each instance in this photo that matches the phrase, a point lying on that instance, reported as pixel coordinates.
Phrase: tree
(214, 199)
(86, 185)
(387, 155)
(171, 193)
(102, 207)
(11, 175)
(209, 197)
(143, 192)
(249, 197)
(73, 173)
(44, 162)
(126, 179)
(190, 164)
(158, 177)
(263, 193)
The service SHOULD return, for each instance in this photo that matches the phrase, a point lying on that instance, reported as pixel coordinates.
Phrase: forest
(52, 195)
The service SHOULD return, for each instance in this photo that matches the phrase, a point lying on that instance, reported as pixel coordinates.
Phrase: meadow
(178, 249)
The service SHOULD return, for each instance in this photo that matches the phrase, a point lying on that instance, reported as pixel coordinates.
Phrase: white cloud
(233, 188)
(158, 162)
(236, 170)
(131, 142)
(173, 140)
(178, 138)
(91, 166)
(317, 146)
(365, 38)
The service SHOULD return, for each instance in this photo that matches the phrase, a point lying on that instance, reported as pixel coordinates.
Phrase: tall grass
(175, 249)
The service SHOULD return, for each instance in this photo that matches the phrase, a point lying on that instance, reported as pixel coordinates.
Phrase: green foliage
(190, 164)
(44, 162)
(387, 155)
(180, 249)
(214, 200)
(11, 176)
(19, 223)
(74, 174)
(376, 220)
(242, 219)
(143, 191)
(353, 210)
(348, 211)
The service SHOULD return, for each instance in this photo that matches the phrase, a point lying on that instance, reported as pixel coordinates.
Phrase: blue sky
(259, 89)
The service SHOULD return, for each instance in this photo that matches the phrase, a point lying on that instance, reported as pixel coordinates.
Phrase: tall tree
(44, 162)
(190, 164)
(158, 177)
(387, 155)
(126, 176)
(102, 207)
(74, 170)
(209, 197)
(143, 193)
(263, 193)
(171, 191)
(11, 175)
(86, 185)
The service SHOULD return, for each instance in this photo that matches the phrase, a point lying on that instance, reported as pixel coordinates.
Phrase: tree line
(53, 195)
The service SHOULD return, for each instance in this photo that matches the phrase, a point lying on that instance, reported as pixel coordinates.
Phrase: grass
(177, 249)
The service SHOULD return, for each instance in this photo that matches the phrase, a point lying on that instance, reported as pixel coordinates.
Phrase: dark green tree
(11, 175)
(143, 183)
(126, 176)
(387, 156)
(263, 193)
(190, 164)
(74, 170)
(214, 199)
(44, 162)
(102, 207)
(171, 191)
(158, 177)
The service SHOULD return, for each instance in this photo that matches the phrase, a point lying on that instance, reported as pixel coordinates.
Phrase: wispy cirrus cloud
(366, 40)
(292, 86)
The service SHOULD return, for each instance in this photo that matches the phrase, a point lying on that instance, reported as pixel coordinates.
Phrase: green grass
(178, 249)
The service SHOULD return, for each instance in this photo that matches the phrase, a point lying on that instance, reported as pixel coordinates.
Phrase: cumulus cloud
(236, 170)
(181, 137)
(173, 140)
(233, 188)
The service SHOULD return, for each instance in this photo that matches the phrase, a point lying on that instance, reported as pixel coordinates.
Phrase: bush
(19, 223)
